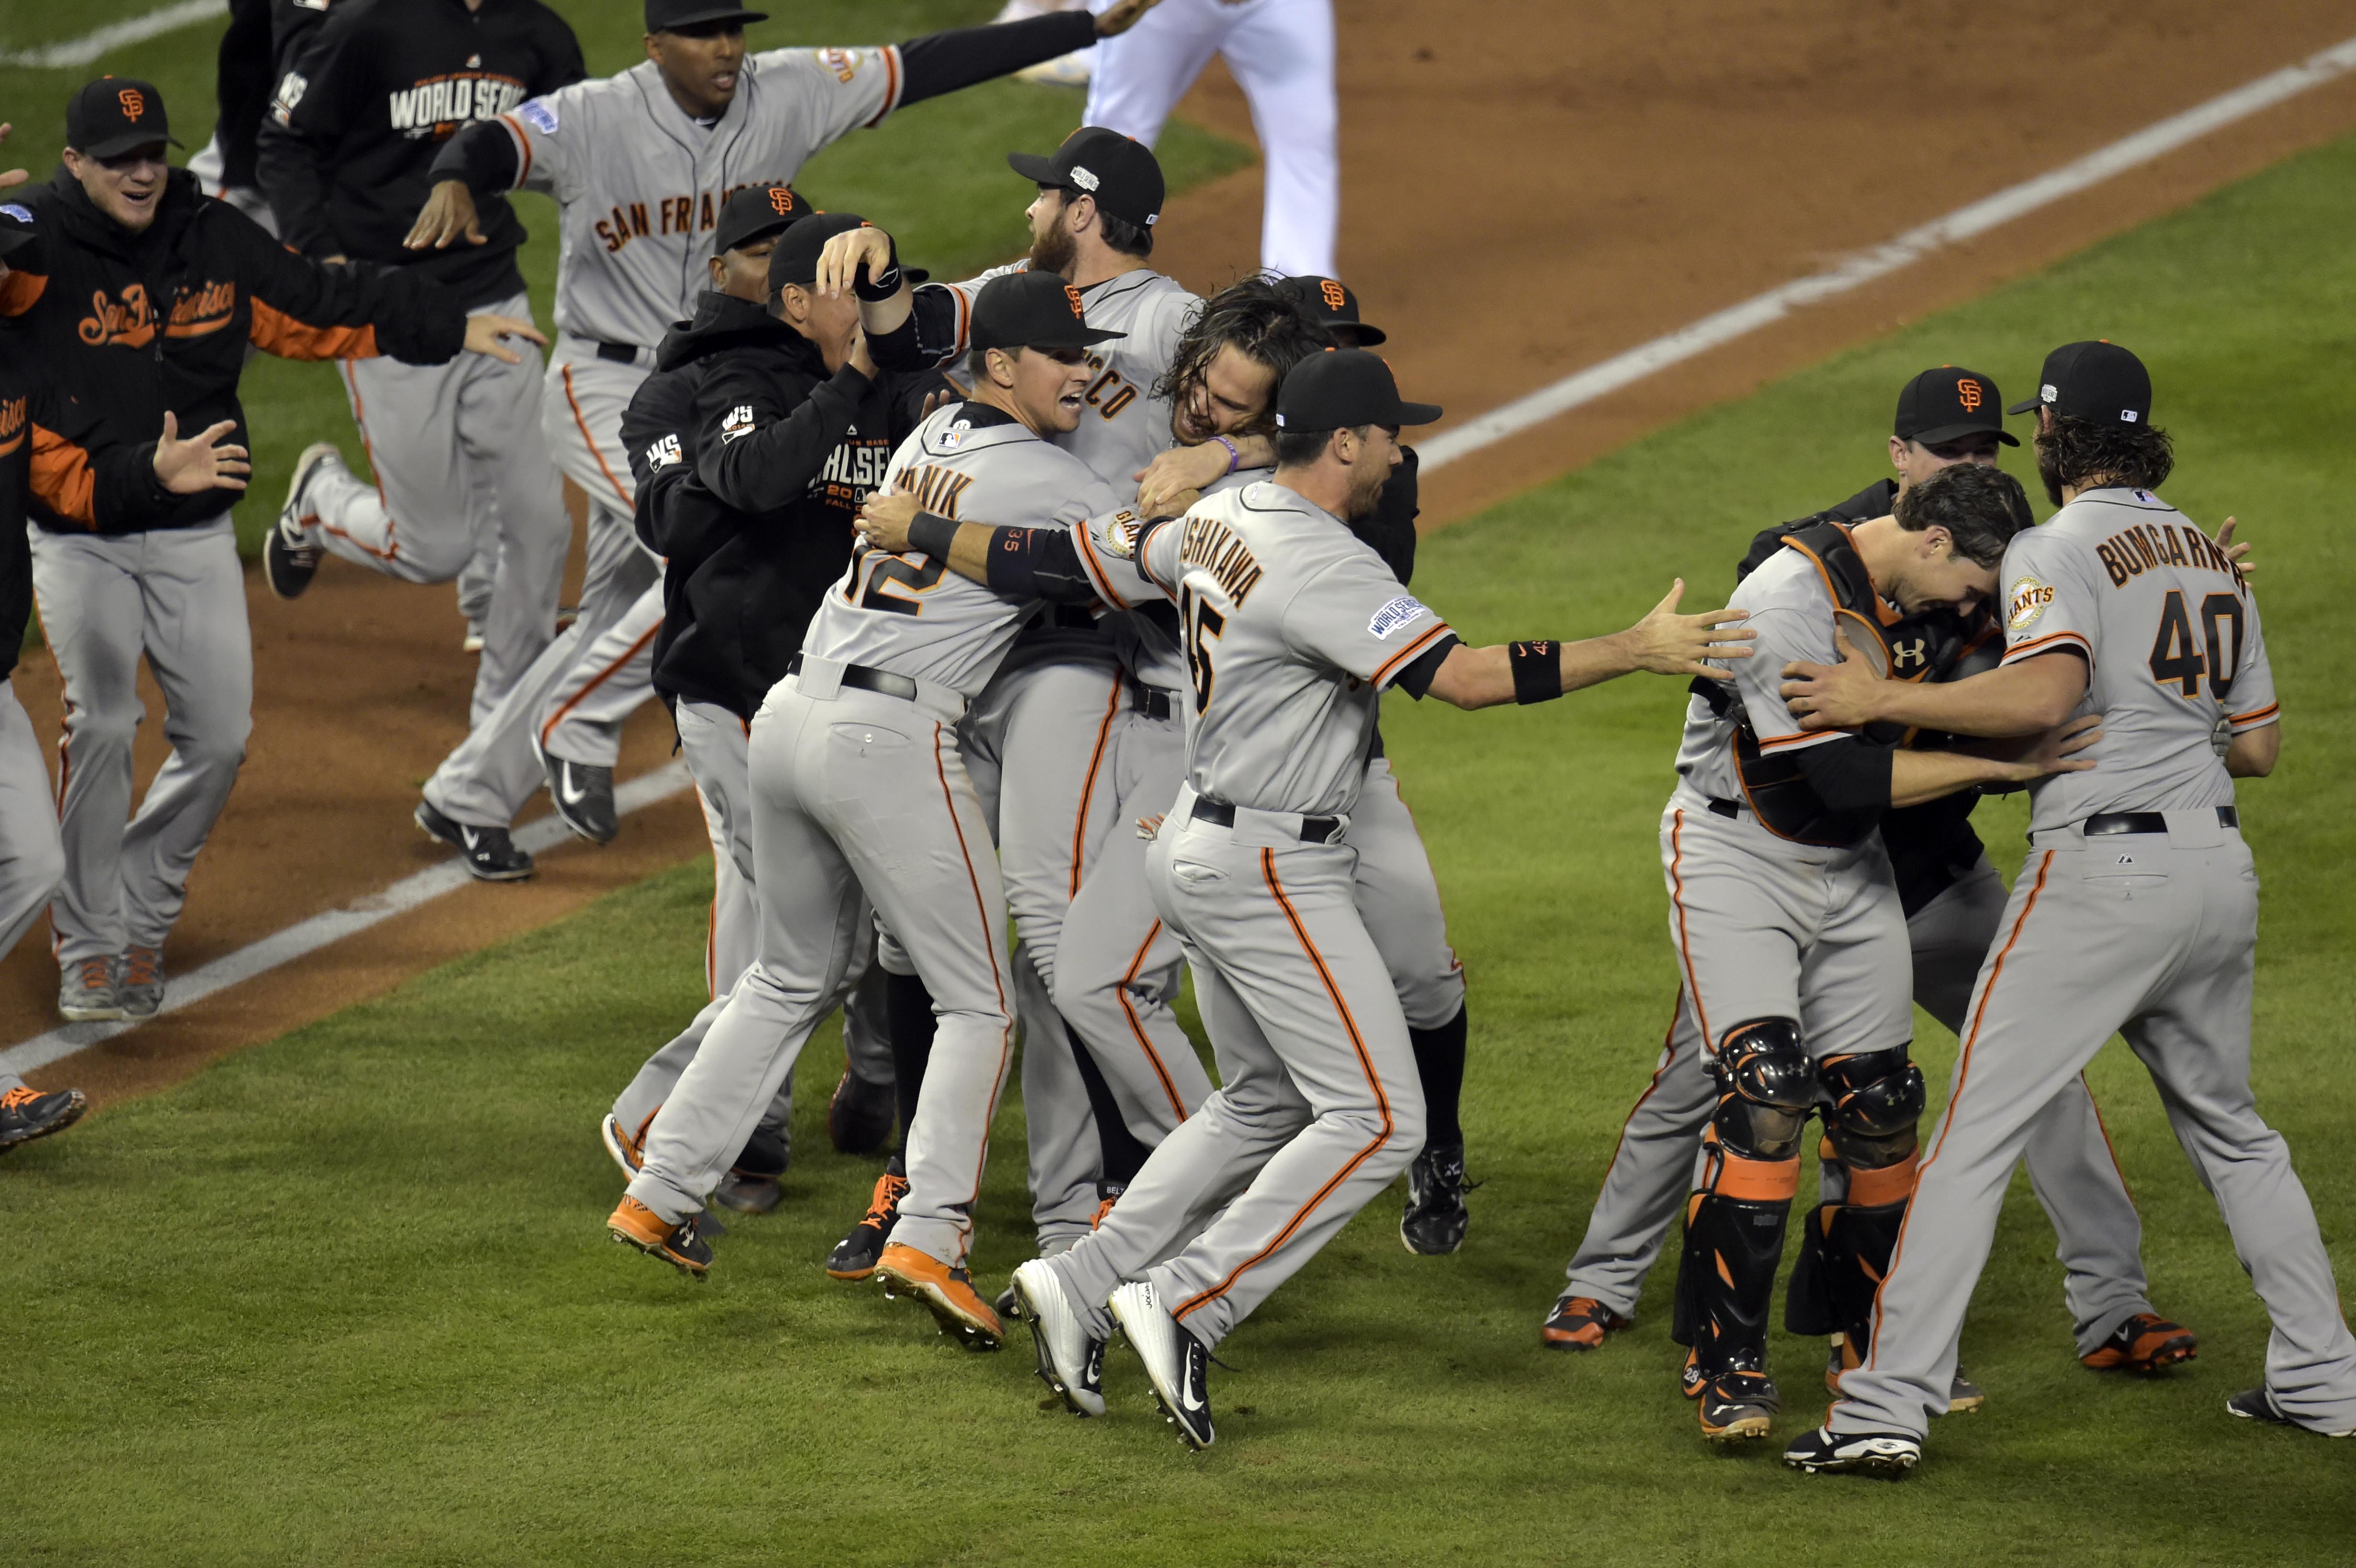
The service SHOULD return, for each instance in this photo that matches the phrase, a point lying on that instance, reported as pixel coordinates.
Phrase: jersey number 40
(2178, 660)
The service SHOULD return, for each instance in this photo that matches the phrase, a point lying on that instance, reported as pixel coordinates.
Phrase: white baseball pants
(32, 856)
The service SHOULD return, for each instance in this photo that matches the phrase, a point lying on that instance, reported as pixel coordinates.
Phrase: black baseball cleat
(27, 1113)
(583, 795)
(1177, 1363)
(751, 1186)
(291, 552)
(2144, 1343)
(1738, 1403)
(860, 1116)
(487, 853)
(1071, 1359)
(1891, 1454)
(2258, 1404)
(854, 1256)
(1434, 1222)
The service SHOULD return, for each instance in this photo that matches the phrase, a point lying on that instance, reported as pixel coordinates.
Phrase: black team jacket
(15, 454)
(125, 326)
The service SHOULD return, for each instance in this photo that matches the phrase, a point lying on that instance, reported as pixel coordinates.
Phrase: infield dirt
(1528, 188)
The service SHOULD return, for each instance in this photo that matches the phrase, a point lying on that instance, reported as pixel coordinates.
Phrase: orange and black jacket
(15, 453)
(127, 325)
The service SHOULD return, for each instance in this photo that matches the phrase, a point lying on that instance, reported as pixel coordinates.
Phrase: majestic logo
(1334, 296)
(134, 101)
(1080, 305)
(1084, 178)
(2026, 603)
(1967, 391)
(127, 323)
(1398, 613)
(781, 201)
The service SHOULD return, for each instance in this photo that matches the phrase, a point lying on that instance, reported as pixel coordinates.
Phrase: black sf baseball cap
(677, 16)
(1328, 303)
(2097, 381)
(1122, 175)
(794, 260)
(1343, 389)
(756, 212)
(1034, 310)
(114, 114)
(1947, 404)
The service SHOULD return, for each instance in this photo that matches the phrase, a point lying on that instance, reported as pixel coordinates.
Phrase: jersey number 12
(2178, 660)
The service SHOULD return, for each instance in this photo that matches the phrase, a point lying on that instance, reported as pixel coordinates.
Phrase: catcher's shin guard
(1734, 1222)
(1877, 1102)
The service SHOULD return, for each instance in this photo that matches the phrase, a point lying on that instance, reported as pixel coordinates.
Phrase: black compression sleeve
(933, 534)
(943, 62)
(1847, 774)
(1038, 563)
(1416, 678)
(483, 155)
(1536, 669)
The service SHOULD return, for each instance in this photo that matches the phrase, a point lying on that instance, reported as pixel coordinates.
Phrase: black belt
(861, 677)
(2111, 822)
(1151, 701)
(1072, 617)
(1313, 829)
(618, 353)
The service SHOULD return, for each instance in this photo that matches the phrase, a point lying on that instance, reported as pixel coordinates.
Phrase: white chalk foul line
(307, 937)
(86, 49)
(1965, 223)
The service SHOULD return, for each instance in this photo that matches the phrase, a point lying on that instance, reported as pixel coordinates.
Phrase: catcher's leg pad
(1734, 1222)
(1871, 1129)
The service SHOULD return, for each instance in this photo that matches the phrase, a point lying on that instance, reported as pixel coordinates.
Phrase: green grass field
(934, 175)
(347, 1296)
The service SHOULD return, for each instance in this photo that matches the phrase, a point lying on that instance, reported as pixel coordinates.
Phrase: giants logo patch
(134, 101)
(1968, 392)
(842, 62)
(2025, 602)
(1332, 292)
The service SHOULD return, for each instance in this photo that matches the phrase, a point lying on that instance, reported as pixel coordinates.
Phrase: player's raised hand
(839, 264)
(1121, 17)
(2239, 554)
(1669, 643)
(1834, 696)
(201, 462)
(1165, 486)
(483, 335)
(11, 176)
(884, 519)
(447, 217)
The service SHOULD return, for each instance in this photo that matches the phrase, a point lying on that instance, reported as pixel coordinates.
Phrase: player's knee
(1767, 1086)
(437, 558)
(1877, 1098)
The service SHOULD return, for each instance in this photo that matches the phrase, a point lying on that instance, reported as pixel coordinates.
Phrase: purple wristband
(1235, 458)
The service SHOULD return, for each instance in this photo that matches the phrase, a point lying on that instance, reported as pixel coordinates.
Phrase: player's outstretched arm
(1919, 776)
(2024, 698)
(205, 460)
(1664, 642)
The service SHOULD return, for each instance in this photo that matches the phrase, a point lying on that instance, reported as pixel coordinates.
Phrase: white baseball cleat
(1873, 1453)
(1177, 1363)
(1071, 1359)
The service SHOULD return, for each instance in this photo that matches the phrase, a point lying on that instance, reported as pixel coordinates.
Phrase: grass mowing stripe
(87, 47)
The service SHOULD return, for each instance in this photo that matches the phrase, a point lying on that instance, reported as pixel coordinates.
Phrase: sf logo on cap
(1334, 298)
(133, 102)
(1079, 306)
(781, 201)
(1968, 392)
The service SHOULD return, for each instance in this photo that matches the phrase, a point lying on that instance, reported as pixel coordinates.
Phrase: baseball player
(32, 861)
(262, 39)
(2136, 911)
(861, 794)
(357, 123)
(1281, 54)
(1952, 901)
(133, 549)
(753, 536)
(640, 164)
(1292, 629)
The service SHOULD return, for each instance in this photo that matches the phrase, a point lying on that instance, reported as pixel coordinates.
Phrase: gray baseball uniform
(858, 785)
(640, 183)
(32, 856)
(1293, 628)
(2137, 913)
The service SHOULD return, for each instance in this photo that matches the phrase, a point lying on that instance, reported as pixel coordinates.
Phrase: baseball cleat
(87, 994)
(2146, 1342)
(27, 1114)
(2258, 1404)
(1071, 1359)
(1434, 1221)
(855, 1257)
(1736, 1404)
(583, 796)
(1888, 1454)
(291, 552)
(860, 1116)
(1177, 1363)
(1965, 1397)
(139, 982)
(634, 1224)
(489, 854)
(751, 1186)
(1579, 1323)
(628, 1150)
(1063, 71)
(472, 643)
(946, 1292)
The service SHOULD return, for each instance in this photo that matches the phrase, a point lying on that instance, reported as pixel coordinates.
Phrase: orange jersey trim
(1805, 738)
(1401, 659)
(980, 908)
(523, 150)
(2046, 645)
(891, 86)
(275, 332)
(2255, 717)
(1088, 789)
(1098, 573)
(1137, 1025)
(591, 442)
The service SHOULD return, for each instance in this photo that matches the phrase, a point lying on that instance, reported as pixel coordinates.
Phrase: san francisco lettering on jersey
(1208, 544)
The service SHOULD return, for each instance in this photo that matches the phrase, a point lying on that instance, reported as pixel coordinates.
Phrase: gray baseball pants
(2153, 936)
(582, 721)
(32, 856)
(1318, 1106)
(856, 790)
(179, 596)
(456, 448)
(2070, 1166)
